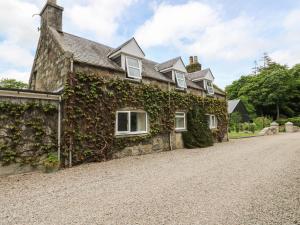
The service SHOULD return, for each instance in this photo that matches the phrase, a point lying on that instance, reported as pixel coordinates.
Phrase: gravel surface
(248, 181)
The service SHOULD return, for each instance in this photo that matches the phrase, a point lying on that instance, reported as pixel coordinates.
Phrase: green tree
(274, 91)
(12, 83)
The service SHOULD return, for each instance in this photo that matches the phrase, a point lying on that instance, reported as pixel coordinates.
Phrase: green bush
(294, 120)
(51, 163)
(252, 127)
(198, 135)
(262, 122)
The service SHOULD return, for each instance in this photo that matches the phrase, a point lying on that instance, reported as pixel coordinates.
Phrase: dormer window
(209, 87)
(134, 67)
(180, 79)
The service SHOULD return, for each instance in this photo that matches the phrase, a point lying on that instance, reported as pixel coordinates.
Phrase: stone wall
(28, 132)
(51, 64)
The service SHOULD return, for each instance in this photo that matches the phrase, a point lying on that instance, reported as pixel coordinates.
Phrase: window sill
(180, 89)
(135, 80)
(180, 130)
(131, 135)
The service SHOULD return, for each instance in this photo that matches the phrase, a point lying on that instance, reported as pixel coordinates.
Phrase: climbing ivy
(25, 133)
(91, 102)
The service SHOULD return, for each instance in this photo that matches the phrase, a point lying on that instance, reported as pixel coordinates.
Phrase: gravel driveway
(249, 181)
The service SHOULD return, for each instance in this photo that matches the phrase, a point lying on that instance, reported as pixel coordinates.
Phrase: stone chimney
(51, 15)
(194, 65)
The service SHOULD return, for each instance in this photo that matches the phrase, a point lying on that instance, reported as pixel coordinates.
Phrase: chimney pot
(191, 60)
(195, 59)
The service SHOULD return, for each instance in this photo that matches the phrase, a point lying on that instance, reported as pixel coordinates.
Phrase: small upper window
(212, 121)
(180, 121)
(130, 122)
(209, 87)
(134, 68)
(180, 79)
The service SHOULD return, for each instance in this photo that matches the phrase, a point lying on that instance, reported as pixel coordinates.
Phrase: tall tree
(273, 91)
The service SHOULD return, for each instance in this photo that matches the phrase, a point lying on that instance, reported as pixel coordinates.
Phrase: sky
(226, 35)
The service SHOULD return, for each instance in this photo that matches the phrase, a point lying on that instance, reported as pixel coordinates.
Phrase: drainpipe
(170, 134)
(70, 150)
(59, 131)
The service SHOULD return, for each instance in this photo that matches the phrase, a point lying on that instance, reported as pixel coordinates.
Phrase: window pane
(179, 123)
(208, 120)
(123, 122)
(180, 80)
(133, 62)
(132, 72)
(138, 121)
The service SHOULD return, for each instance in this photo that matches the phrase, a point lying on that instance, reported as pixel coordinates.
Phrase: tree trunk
(278, 112)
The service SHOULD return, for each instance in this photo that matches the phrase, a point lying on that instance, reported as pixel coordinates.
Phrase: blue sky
(226, 35)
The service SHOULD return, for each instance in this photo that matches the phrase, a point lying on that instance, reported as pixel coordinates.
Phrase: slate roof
(232, 104)
(168, 64)
(198, 74)
(218, 90)
(96, 54)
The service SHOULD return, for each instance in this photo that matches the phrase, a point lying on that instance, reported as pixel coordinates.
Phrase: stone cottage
(59, 54)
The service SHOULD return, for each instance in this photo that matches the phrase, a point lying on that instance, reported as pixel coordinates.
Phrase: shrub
(198, 135)
(262, 122)
(294, 120)
(51, 163)
(252, 127)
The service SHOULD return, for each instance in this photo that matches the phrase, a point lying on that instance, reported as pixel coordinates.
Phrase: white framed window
(212, 121)
(180, 121)
(180, 79)
(209, 87)
(131, 122)
(134, 67)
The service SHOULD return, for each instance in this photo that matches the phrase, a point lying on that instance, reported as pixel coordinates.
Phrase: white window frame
(179, 78)
(213, 121)
(209, 88)
(128, 132)
(138, 68)
(180, 116)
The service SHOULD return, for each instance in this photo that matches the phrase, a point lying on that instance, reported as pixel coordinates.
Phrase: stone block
(289, 127)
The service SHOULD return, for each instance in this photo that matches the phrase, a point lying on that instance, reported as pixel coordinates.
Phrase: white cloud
(197, 28)
(98, 16)
(16, 22)
(15, 55)
(287, 50)
(171, 23)
(15, 74)
(18, 38)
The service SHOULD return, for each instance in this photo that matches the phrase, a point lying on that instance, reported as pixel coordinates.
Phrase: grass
(235, 135)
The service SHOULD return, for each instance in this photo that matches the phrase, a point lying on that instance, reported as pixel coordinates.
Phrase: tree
(12, 83)
(273, 91)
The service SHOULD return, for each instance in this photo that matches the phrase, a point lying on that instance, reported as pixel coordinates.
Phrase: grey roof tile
(232, 104)
(168, 64)
(96, 54)
(198, 74)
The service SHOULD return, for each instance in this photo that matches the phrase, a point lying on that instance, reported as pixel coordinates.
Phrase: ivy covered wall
(90, 109)
(28, 131)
